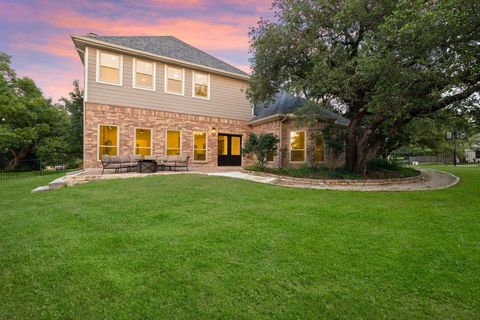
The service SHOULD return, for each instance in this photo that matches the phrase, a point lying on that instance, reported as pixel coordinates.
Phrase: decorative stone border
(342, 182)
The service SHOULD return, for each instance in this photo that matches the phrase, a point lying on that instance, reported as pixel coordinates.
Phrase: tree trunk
(360, 150)
(362, 155)
(18, 156)
(351, 144)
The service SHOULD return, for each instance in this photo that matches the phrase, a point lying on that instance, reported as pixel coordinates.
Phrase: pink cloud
(55, 81)
(58, 45)
(45, 27)
(204, 34)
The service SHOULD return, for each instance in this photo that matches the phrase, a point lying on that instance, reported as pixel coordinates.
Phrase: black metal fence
(457, 158)
(31, 168)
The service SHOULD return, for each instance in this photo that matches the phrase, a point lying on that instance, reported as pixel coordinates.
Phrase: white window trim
(206, 147)
(154, 75)
(98, 138)
(304, 149)
(165, 84)
(135, 140)
(193, 86)
(166, 140)
(98, 68)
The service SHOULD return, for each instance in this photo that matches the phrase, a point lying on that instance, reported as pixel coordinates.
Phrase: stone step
(40, 189)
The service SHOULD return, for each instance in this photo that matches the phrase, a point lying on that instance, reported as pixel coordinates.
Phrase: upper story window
(201, 85)
(143, 74)
(109, 68)
(174, 80)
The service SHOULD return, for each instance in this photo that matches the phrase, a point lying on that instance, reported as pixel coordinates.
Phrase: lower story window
(173, 143)
(143, 142)
(319, 147)
(297, 146)
(199, 146)
(108, 141)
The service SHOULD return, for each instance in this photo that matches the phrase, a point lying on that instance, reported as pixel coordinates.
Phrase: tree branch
(457, 97)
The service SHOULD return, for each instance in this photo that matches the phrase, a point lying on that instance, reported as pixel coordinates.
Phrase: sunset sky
(37, 33)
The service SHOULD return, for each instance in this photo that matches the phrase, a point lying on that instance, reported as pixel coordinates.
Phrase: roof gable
(284, 103)
(170, 47)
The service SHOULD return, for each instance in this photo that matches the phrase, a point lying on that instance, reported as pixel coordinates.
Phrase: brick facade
(281, 129)
(129, 118)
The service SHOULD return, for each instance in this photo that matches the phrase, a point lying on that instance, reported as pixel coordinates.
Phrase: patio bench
(118, 163)
(174, 162)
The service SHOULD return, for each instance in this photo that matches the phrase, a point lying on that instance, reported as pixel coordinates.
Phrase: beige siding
(226, 98)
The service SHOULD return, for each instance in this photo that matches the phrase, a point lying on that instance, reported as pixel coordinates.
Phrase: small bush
(382, 168)
(260, 146)
(383, 164)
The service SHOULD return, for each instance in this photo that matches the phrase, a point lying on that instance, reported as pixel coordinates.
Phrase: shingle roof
(171, 47)
(284, 103)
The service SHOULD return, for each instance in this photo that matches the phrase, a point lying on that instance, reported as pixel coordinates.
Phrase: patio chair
(175, 162)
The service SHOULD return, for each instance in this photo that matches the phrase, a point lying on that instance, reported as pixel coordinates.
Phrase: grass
(191, 246)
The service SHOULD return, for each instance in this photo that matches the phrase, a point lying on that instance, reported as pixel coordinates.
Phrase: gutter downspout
(280, 162)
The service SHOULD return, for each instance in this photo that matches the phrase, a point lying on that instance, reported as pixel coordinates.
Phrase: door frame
(229, 149)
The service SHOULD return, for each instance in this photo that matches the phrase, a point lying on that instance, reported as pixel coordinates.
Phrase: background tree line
(33, 127)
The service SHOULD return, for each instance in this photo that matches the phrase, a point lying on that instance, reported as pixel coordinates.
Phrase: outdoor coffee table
(147, 166)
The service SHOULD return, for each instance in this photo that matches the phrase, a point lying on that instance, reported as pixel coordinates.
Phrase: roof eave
(80, 52)
(269, 119)
(289, 116)
(87, 40)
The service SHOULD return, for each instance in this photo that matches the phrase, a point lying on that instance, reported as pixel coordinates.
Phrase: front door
(229, 146)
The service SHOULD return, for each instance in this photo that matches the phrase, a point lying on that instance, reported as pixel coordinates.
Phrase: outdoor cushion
(134, 158)
(115, 159)
(124, 159)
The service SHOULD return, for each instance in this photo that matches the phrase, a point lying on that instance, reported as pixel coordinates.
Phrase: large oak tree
(382, 63)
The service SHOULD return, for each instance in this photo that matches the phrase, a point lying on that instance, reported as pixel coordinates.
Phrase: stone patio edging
(342, 182)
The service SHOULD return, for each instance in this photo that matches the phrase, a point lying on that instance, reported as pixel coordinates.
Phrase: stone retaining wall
(365, 182)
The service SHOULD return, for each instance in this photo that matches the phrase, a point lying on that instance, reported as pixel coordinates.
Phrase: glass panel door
(229, 150)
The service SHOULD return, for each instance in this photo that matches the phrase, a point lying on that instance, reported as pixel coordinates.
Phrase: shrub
(260, 146)
(384, 164)
(334, 145)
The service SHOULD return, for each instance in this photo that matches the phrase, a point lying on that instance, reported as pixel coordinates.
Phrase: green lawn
(188, 246)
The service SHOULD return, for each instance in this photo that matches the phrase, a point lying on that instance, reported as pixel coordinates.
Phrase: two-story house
(156, 96)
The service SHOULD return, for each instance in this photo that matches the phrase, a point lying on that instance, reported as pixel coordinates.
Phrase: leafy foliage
(334, 138)
(380, 63)
(74, 106)
(31, 125)
(260, 146)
